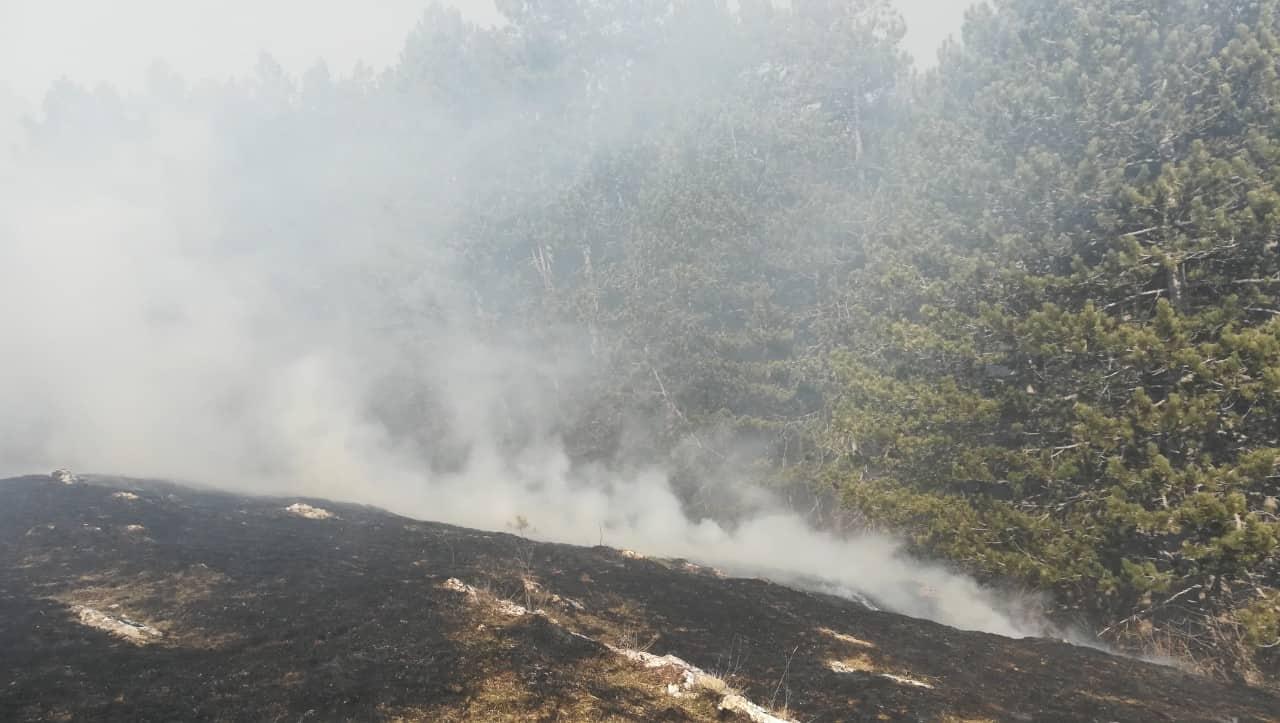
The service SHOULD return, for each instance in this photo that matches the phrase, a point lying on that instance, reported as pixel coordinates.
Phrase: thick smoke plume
(193, 288)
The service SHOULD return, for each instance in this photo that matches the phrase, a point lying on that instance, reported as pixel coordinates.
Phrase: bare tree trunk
(1174, 284)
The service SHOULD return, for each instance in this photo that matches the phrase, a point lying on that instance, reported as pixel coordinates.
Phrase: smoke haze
(43, 40)
(200, 282)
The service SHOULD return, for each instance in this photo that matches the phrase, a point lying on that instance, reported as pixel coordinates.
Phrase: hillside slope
(147, 601)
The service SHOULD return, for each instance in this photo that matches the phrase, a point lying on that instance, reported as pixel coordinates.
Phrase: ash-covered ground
(130, 600)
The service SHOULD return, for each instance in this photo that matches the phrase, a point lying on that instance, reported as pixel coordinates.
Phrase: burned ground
(146, 601)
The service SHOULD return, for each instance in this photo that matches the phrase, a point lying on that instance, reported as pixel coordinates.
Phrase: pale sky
(91, 41)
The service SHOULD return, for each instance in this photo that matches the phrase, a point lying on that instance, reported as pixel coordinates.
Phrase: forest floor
(129, 600)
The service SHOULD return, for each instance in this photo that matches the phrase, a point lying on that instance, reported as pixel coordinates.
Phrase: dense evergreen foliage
(1021, 309)
(1067, 348)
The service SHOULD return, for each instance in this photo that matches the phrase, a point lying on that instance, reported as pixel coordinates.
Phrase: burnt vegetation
(258, 612)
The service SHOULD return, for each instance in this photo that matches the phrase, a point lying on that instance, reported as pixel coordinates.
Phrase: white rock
(306, 511)
(134, 632)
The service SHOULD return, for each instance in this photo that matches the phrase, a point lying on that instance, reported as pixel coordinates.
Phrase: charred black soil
(126, 600)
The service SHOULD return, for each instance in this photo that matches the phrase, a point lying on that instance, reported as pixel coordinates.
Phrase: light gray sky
(92, 41)
(929, 22)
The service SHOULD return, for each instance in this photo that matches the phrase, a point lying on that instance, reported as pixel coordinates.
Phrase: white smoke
(197, 292)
